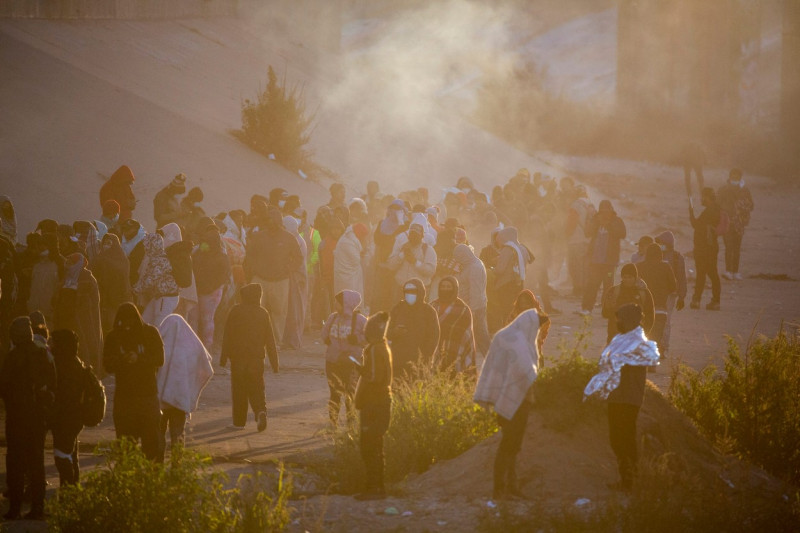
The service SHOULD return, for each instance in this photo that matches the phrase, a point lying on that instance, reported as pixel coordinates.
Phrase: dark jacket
(134, 351)
(248, 331)
(118, 188)
(180, 259)
(166, 207)
(675, 260)
(705, 230)
(375, 384)
(211, 267)
(605, 232)
(631, 386)
(27, 379)
(658, 276)
(272, 253)
(413, 331)
(72, 381)
(619, 295)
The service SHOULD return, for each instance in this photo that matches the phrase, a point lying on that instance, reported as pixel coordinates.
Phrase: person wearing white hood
(505, 383)
(415, 259)
(179, 253)
(428, 233)
(186, 371)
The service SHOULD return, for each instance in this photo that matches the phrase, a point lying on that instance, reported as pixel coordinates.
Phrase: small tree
(277, 123)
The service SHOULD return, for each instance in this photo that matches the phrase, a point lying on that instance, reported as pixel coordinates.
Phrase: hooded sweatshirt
(133, 352)
(413, 330)
(118, 188)
(658, 276)
(347, 269)
(513, 258)
(342, 328)
(675, 260)
(248, 330)
(375, 384)
(471, 278)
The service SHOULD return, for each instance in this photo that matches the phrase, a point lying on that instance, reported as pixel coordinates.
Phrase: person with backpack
(247, 339)
(67, 420)
(27, 386)
(706, 249)
(183, 376)
(343, 335)
(134, 352)
(630, 290)
(736, 202)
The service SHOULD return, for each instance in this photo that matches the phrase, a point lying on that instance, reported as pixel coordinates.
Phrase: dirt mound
(561, 465)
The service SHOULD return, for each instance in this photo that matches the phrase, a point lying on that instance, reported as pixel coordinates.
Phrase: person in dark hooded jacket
(630, 290)
(606, 230)
(706, 248)
(27, 386)
(658, 276)
(413, 329)
(249, 337)
(374, 400)
(677, 301)
(133, 352)
(456, 347)
(118, 188)
(66, 420)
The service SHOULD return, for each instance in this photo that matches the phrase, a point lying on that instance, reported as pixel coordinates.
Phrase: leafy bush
(134, 494)
(260, 511)
(753, 404)
(277, 123)
(140, 495)
(433, 419)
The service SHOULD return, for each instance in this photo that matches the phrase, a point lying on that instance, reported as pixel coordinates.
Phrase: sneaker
(713, 305)
(737, 276)
(727, 275)
(234, 427)
(584, 312)
(695, 304)
(262, 421)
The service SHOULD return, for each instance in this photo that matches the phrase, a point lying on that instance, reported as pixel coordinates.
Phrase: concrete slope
(69, 116)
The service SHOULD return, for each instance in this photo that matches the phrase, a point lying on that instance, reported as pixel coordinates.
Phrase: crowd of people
(391, 282)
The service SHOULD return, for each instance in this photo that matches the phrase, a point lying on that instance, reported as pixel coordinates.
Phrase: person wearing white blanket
(621, 381)
(186, 371)
(505, 382)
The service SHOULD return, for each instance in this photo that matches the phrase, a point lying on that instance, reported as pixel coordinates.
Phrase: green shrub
(134, 494)
(138, 495)
(433, 419)
(753, 404)
(258, 509)
(277, 123)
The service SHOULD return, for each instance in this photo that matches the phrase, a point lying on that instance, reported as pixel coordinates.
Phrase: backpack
(93, 401)
(724, 223)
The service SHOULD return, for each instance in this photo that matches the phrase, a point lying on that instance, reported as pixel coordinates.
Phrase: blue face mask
(411, 298)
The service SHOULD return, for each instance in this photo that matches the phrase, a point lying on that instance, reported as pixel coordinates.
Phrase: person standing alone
(737, 202)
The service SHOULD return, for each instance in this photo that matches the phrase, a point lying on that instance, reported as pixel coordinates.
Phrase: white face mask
(741, 183)
(115, 219)
(281, 203)
(410, 298)
(399, 216)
